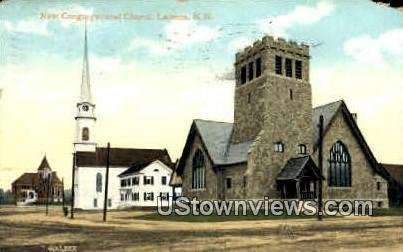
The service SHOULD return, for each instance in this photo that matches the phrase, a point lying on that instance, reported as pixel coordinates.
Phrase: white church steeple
(85, 117)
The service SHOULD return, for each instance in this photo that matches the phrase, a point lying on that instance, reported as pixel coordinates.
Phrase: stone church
(271, 149)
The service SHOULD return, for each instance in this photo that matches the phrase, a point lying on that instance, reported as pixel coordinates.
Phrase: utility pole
(47, 193)
(72, 187)
(106, 181)
(62, 191)
(320, 200)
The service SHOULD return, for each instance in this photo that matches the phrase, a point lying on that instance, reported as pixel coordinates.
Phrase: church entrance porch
(298, 179)
(298, 189)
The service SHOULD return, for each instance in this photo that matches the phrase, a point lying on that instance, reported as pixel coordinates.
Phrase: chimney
(354, 115)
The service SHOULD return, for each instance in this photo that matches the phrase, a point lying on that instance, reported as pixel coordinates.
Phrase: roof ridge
(122, 148)
(206, 120)
(392, 164)
(327, 104)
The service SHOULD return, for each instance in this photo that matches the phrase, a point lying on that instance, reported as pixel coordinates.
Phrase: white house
(90, 160)
(142, 185)
(91, 171)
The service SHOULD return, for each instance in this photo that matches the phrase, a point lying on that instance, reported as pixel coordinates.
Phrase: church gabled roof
(44, 164)
(215, 137)
(294, 167)
(328, 111)
(395, 171)
(121, 157)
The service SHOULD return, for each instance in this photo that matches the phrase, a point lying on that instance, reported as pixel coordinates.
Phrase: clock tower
(85, 116)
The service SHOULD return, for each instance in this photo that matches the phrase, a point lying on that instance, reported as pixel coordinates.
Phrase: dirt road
(28, 229)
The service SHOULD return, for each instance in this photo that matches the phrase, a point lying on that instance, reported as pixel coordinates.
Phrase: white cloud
(373, 51)
(374, 94)
(177, 34)
(27, 26)
(184, 32)
(238, 44)
(301, 15)
(154, 47)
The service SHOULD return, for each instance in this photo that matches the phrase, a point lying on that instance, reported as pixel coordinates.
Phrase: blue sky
(152, 77)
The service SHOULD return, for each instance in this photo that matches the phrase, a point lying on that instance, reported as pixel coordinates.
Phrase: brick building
(29, 182)
(271, 149)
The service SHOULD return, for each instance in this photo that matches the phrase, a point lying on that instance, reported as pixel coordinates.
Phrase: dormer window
(278, 147)
(302, 149)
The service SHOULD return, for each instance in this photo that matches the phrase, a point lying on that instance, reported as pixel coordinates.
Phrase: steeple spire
(85, 95)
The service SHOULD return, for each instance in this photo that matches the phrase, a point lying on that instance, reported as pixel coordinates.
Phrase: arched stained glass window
(198, 171)
(99, 182)
(339, 173)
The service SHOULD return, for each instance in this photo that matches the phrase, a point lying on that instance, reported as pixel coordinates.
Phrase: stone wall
(236, 173)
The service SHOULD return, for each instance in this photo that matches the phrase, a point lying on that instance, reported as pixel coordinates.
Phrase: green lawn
(215, 218)
(154, 216)
(392, 211)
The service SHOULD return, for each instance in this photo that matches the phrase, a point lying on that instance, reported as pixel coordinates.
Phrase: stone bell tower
(273, 108)
(85, 116)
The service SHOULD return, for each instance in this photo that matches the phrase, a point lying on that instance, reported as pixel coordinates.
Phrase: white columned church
(125, 163)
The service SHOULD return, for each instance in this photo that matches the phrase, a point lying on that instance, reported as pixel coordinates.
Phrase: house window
(129, 182)
(148, 180)
(95, 202)
(243, 74)
(302, 149)
(164, 196)
(85, 136)
(378, 186)
(99, 182)
(288, 68)
(298, 69)
(148, 196)
(278, 147)
(122, 197)
(250, 71)
(198, 171)
(379, 203)
(135, 196)
(123, 183)
(258, 67)
(109, 202)
(228, 182)
(135, 180)
(279, 65)
(339, 172)
(163, 180)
